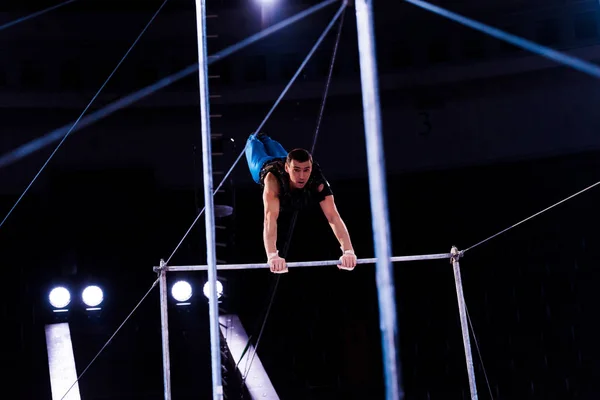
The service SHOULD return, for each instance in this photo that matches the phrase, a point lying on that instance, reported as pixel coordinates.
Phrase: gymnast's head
(298, 165)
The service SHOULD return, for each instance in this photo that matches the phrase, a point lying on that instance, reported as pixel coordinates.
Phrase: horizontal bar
(304, 263)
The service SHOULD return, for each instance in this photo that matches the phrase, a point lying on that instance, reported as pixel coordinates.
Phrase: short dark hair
(300, 155)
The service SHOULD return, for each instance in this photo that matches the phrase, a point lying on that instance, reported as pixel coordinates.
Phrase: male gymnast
(292, 181)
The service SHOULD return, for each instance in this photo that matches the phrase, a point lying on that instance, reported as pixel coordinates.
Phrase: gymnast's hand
(348, 260)
(277, 264)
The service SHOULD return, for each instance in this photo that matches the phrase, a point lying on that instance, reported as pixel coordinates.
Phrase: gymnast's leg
(256, 156)
(274, 148)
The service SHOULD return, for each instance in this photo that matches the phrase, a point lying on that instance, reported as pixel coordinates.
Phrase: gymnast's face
(299, 173)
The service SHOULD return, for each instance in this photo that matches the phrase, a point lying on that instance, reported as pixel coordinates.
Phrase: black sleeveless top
(298, 199)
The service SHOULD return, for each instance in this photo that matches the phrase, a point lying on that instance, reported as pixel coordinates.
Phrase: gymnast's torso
(296, 199)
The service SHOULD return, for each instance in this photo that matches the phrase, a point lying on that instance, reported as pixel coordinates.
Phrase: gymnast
(292, 181)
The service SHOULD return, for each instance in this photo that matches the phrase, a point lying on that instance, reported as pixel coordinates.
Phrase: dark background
(478, 136)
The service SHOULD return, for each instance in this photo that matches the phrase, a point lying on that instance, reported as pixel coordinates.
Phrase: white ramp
(61, 362)
(257, 381)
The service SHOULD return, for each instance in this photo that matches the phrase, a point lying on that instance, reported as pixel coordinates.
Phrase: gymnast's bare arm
(348, 258)
(271, 213)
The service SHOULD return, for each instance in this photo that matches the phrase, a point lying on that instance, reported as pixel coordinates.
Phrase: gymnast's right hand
(277, 264)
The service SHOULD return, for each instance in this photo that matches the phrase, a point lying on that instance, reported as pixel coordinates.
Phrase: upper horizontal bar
(303, 263)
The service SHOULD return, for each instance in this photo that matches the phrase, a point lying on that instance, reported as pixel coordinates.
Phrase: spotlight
(207, 288)
(181, 291)
(92, 296)
(59, 297)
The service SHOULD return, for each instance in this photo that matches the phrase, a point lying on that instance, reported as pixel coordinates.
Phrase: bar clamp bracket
(455, 254)
(163, 266)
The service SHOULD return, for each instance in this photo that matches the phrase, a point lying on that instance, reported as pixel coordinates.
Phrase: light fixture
(206, 290)
(181, 291)
(92, 296)
(59, 297)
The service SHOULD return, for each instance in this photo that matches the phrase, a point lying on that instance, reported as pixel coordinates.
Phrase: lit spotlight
(206, 289)
(181, 291)
(59, 297)
(92, 296)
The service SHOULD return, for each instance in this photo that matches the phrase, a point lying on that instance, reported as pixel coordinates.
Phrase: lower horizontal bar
(304, 263)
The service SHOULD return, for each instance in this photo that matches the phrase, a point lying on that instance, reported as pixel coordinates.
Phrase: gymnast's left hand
(348, 260)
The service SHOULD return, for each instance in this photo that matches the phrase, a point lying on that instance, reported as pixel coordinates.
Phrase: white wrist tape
(271, 256)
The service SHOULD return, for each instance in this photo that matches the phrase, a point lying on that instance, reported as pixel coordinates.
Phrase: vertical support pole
(164, 326)
(463, 321)
(209, 215)
(378, 193)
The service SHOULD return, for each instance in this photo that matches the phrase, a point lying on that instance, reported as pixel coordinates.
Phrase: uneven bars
(220, 267)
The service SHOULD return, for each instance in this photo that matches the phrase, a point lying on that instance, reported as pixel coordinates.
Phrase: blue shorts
(260, 150)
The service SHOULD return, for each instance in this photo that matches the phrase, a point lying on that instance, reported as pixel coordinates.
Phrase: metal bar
(463, 322)
(181, 268)
(378, 193)
(164, 322)
(215, 353)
